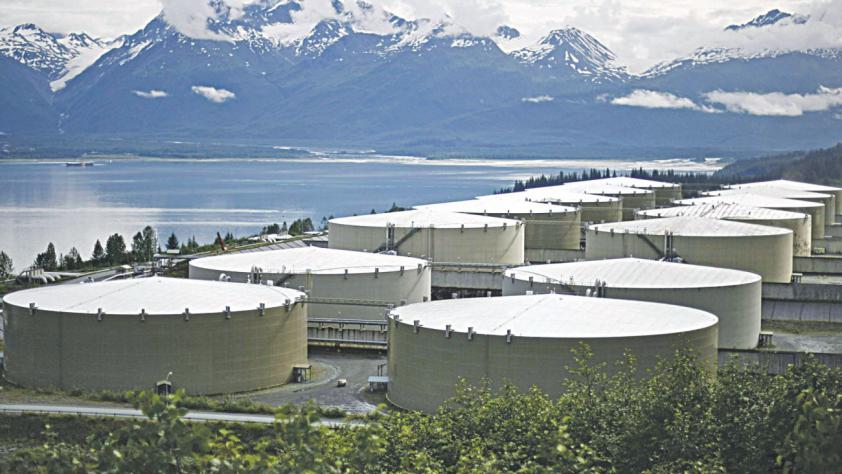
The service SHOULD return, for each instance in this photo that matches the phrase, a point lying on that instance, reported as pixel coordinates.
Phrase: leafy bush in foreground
(677, 419)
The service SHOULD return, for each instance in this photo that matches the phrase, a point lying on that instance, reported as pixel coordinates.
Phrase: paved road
(199, 416)
(354, 367)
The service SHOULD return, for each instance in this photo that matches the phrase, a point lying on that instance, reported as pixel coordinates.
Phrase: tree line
(669, 176)
(680, 418)
(298, 227)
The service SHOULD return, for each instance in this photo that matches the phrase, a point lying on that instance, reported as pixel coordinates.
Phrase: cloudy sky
(641, 32)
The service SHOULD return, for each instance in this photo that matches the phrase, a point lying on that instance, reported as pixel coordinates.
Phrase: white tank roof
(165, 296)
(315, 259)
(633, 273)
(425, 218)
(593, 187)
(787, 184)
(554, 194)
(556, 316)
(753, 200)
(723, 210)
(516, 205)
(628, 182)
(691, 227)
(771, 192)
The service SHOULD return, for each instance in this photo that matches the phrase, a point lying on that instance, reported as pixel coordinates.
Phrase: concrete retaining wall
(824, 265)
(774, 362)
(802, 302)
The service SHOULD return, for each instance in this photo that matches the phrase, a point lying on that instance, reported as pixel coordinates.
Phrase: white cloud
(777, 103)
(151, 94)
(303, 21)
(541, 99)
(659, 100)
(214, 94)
(191, 17)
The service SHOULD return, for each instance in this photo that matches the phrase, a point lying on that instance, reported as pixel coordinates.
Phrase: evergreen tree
(115, 250)
(172, 242)
(138, 247)
(72, 261)
(150, 244)
(99, 254)
(47, 260)
(6, 266)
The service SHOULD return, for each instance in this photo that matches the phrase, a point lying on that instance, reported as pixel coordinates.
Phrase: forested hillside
(818, 166)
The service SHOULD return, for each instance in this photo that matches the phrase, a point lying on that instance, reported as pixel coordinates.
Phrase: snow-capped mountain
(769, 18)
(704, 56)
(364, 75)
(59, 57)
(574, 50)
(35, 48)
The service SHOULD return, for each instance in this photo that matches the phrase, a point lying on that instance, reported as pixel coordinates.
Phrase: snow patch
(81, 62)
(134, 51)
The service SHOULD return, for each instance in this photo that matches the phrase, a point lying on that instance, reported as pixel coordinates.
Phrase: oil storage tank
(732, 296)
(593, 208)
(439, 236)
(665, 192)
(548, 226)
(129, 334)
(342, 284)
(633, 199)
(766, 251)
(830, 211)
(798, 222)
(528, 341)
(814, 209)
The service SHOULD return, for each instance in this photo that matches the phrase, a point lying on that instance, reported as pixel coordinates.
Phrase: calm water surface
(42, 201)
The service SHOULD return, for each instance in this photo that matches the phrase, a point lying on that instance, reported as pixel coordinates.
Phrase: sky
(641, 32)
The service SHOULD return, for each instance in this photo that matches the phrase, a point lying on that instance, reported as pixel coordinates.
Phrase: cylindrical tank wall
(665, 196)
(550, 231)
(207, 354)
(425, 367)
(738, 307)
(604, 211)
(635, 202)
(802, 241)
(384, 287)
(495, 245)
(769, 256)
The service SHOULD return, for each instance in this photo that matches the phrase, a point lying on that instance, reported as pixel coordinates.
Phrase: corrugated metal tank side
(424, 368)
(391, 287)
(208, 354)
(494, 245)
(738, 307)
(769, 256)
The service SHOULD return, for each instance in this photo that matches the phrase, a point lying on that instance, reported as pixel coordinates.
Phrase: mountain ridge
(416, 85)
